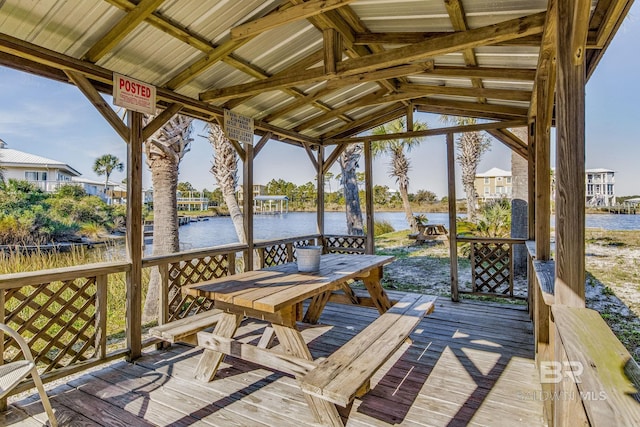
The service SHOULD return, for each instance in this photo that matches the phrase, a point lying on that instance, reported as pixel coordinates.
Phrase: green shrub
(382, 227)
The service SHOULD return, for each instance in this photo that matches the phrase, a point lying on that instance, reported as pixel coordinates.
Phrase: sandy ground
(425, 268)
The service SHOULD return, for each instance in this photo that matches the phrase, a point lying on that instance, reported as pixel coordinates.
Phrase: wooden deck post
(247, 183)
(134, 235)
(453, 229)
(320, 195)
(368, 185)
(531, 180)
(570, 152)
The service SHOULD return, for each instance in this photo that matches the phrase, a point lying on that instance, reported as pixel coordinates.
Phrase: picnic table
(276, 294)
(430, 232)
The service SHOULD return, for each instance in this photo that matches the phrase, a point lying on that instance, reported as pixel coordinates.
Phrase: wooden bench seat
(346, 373)
(185, 329)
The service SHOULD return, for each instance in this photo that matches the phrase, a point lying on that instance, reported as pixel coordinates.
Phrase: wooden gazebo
(319, 75)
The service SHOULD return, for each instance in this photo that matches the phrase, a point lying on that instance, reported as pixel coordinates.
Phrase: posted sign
(238, 127)
(133, 94)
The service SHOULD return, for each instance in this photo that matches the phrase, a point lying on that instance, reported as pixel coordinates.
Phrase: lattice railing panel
(491, 267)
(275, 255)
(345, 244)
(56, 319)
(193, 271)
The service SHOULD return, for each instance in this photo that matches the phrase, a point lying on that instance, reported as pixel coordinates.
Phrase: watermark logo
(555, 372)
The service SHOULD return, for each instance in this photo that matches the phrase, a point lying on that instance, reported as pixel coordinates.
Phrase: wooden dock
(470, 363)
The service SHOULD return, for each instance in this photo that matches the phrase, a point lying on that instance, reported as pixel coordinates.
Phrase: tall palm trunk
(348, 163)
(225, 171)
(519, 204)
(471, 146)
(400, 166)
(164, 150)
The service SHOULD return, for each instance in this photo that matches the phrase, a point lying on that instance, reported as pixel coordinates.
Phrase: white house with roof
(600, 187)
(495, 183)
(45, 173)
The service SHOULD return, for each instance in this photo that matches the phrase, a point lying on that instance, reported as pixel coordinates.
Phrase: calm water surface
(219, 230)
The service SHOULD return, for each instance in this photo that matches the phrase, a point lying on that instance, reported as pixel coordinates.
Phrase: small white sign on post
(238, 127)
(133, 94)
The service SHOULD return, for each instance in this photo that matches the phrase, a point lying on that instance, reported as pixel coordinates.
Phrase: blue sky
(55, 120)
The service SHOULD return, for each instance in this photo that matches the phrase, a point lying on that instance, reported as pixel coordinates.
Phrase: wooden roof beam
(459, 22)
(431, 132)
(119, 31)
(525, 74)
(507, 94)
(504, 110)
(411, 38)
(285, 16)
(545, 71)
(438, 46)
(368, 122)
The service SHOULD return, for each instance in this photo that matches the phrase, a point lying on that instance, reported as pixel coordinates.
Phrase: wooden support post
(410, 117)
(531, 181)
(453, 230)
(542, 180)
(134, 236)
(332, 50)
(570, 153)
(320, 196)
(247, 183)
(368, 183)
(163, 315)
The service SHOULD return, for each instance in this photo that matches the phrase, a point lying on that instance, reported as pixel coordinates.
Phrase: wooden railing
(62, 314)
(339, 244)
(587, 376)
(491, 265)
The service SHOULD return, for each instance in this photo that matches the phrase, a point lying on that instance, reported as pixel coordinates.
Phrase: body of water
(219, 230)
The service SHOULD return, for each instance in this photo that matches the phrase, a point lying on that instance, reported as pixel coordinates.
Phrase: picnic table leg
(379, 296)
(210, 360)
(292, 342)
(315, 307)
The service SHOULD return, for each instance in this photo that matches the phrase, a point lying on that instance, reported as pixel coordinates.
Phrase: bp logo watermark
(555, 372)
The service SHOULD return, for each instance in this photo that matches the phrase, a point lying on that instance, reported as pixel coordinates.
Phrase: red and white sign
(133, 94)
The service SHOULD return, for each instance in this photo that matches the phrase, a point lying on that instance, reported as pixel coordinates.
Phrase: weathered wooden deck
(470, 363)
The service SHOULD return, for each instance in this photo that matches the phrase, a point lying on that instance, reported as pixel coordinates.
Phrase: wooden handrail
(195, 253)
(265, 243)
(18, 280)
(466, 239)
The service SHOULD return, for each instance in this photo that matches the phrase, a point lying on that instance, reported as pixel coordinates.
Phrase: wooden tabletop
(274, 288)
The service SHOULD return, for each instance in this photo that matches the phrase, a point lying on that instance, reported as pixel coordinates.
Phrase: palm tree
(471, 146)
(348, 163)
(106, 165)
(400, 164)
(164, 151)
(225, 171)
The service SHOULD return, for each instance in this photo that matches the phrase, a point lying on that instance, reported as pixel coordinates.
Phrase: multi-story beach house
(493, 184)
(600, 187)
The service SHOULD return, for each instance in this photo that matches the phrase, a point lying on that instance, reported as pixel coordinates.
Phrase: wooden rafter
(511, 141)
(483, 72)
(432, 132)
(459, 22)
(285, 16)
(368, 122)
(508, 94)
(607, 27)
(99, 103)
(545, 71)
(410, 38)
(472, 107)
(119, 31)
(438, 46)
(314, 162)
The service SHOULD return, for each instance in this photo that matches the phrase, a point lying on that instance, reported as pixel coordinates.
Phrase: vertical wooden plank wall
(134, 235)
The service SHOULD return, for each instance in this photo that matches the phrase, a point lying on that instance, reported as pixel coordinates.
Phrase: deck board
(469, 363)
